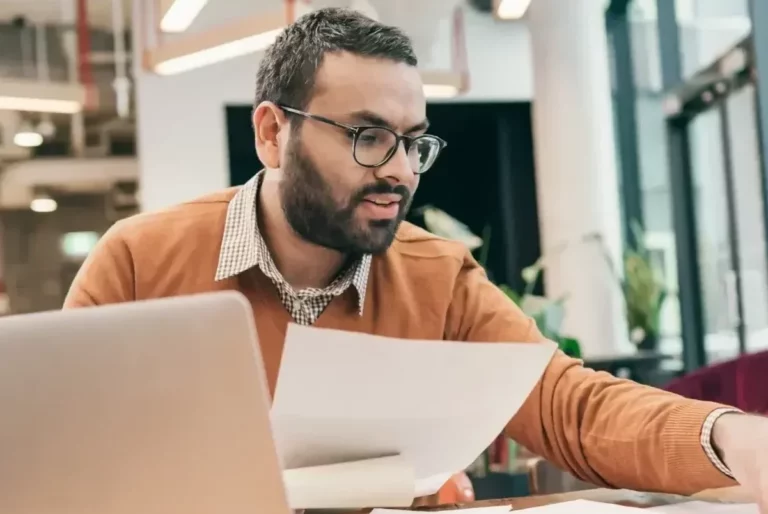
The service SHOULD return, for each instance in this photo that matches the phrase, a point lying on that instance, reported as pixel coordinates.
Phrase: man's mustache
(382, 188)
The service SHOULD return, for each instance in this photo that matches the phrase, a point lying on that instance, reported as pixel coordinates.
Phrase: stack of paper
(590, 507)
(367, 421)
(583, 507)
(479, 510)
(697, 507)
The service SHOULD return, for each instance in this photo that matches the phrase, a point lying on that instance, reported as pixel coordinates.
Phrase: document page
(349, 484)
(699, 507)
(478, 510)
(347, 397)
(584, 507)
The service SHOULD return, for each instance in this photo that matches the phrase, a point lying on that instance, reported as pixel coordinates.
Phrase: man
(318, 238)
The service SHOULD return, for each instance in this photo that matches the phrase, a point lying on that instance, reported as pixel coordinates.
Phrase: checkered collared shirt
(243, 247)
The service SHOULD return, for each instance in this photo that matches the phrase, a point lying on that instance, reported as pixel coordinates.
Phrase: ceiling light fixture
(27, 137)
(43, 203)
(219, 44)
(510, 9)
(37, 96)
(188, 52)
(178, 15)
(441, 84)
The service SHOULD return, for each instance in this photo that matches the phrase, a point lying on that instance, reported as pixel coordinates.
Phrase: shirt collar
(242, 242)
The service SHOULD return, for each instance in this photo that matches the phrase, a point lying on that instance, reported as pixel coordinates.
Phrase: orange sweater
(604, 430)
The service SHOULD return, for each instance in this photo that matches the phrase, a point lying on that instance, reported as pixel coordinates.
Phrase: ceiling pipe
(459, 57)
(27, 59)
(122, 84)
(85, 73)
(290, 11)
(70, 43)
(41, 53)
(46, 127)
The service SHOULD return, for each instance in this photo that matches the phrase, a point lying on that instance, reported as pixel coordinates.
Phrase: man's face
(328, 198)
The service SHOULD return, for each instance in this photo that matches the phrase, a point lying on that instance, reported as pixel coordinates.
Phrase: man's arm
(106, 276)
(604, 430)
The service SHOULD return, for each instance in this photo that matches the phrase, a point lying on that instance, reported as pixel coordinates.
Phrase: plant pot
(650, 343)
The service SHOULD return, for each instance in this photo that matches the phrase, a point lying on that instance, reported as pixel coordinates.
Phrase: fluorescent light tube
(222, 52)
(38, 96)
(178, 15)
(191, 51)
(511, 9)
(21, 103)
(441, 84)
(188, 52)
(440, 91)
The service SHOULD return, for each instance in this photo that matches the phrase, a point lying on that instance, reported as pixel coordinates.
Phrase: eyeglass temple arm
(319, 118)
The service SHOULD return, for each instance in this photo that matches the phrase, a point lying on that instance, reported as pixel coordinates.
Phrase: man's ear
(268, 119)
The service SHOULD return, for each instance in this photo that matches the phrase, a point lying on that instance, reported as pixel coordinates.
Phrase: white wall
(181, 124)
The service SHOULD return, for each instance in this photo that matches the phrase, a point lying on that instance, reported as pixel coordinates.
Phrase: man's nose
(398, 169)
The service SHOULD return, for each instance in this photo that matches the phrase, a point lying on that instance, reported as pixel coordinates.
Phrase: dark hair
(287, 71)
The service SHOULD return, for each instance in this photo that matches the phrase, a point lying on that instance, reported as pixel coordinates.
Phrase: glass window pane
(716, 272)
(750, 220)
(708, 28)
(657, 210)
(654, 167)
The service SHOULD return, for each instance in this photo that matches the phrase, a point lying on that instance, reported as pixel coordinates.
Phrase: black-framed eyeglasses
(373, 146)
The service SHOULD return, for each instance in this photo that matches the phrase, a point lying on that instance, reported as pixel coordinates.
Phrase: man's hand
(742, 442)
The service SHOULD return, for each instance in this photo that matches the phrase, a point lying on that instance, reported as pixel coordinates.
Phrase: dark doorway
(485, 177)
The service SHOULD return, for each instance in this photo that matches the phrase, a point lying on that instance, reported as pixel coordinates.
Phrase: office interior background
(606, 159)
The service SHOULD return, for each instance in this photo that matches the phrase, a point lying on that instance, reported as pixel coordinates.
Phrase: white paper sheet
(344, 396)
(385, 481)
(479, 510)
(697, 507)
(584, 507)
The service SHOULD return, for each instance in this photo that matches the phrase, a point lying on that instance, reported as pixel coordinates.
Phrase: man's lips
(383, 199)
(381, 206)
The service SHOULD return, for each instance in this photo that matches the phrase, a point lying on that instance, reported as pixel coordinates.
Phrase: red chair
(740, 383)
(457, 490)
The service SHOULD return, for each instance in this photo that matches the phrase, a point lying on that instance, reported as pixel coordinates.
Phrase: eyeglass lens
(374, 146)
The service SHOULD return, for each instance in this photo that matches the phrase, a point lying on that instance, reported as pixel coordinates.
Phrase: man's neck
(302, 264)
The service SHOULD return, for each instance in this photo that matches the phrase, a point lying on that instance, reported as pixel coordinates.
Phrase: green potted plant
(547, 313)
(644, 294)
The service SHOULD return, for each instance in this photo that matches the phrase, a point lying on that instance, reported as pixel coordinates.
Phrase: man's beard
(312, 212)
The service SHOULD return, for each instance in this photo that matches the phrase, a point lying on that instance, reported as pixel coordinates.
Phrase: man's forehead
(347, 83)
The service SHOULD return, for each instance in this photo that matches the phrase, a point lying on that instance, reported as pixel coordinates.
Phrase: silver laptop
(154, 407)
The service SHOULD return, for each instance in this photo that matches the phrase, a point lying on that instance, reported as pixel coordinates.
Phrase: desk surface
(620, 497)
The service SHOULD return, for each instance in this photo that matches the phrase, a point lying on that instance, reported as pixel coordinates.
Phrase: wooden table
(618, 497)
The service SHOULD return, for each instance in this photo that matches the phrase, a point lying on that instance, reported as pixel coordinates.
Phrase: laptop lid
(153, 407)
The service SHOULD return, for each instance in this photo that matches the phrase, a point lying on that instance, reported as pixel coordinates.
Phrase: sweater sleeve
(106, 276)
(604, 430)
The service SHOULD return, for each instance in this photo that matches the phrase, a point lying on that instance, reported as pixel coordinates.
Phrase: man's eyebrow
(374, 119)
(419, 127)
